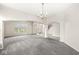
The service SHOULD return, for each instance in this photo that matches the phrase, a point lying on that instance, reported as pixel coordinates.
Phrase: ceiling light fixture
(43, 12)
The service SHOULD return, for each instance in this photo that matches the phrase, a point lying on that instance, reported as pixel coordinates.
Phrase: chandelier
(43, 12)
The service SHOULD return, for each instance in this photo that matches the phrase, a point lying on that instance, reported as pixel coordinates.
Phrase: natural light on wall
(1, 31)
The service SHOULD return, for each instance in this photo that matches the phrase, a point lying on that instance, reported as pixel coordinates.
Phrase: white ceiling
(35, 8)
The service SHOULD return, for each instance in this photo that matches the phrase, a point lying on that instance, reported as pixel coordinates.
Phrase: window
(20, 28)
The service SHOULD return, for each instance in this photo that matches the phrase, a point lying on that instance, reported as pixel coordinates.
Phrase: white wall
(55, 30)
(58, 18)
(72, 26)
(1, 33)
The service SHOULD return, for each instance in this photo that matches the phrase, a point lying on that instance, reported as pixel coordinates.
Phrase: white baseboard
(61, 40)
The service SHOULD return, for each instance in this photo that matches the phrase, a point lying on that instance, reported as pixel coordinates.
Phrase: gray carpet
(35, 45)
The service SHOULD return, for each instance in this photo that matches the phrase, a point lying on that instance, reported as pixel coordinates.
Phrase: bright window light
(20, 28)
